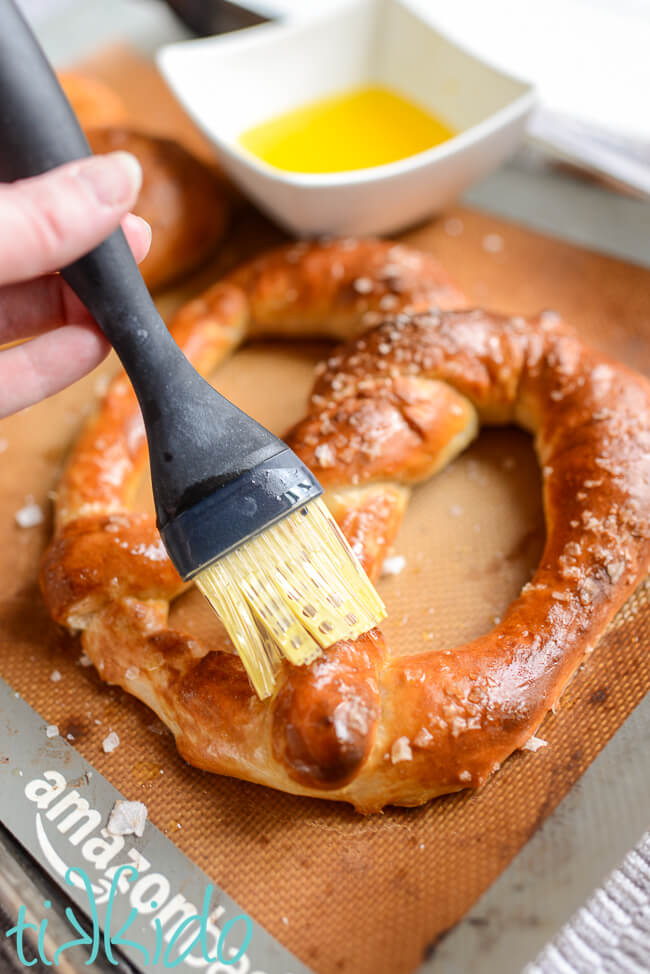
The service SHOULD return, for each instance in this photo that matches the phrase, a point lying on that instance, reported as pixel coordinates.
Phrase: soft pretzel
(183, 199)
(388, 409)
(93, 101)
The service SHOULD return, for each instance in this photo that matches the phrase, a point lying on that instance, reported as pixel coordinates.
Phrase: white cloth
(610, 934)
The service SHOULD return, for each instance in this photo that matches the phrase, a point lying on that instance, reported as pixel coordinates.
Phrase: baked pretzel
(94, 102)
(388, 409)
(183, 199)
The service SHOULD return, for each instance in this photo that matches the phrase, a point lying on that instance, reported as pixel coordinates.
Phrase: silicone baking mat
(343, 892)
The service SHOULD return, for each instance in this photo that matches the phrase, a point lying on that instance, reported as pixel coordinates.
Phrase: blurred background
(588, 59)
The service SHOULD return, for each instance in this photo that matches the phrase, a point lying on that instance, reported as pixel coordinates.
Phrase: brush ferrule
(237, 511)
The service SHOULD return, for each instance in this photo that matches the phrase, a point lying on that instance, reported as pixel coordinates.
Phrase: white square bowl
(232, 82)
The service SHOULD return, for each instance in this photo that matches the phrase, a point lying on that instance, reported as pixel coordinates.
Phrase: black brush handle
(197, 439)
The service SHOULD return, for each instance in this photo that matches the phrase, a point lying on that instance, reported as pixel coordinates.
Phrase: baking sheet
(307, 869)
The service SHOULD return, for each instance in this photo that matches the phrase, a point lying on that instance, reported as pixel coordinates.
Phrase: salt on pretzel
(389, 409)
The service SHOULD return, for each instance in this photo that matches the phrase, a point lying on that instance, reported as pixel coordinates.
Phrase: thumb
(49, 221)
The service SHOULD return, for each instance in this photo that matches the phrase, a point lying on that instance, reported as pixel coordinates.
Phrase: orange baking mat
(343, 892)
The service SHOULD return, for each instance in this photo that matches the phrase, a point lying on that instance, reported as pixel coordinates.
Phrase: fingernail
(114, 179)
(136, 220)
(147, 228)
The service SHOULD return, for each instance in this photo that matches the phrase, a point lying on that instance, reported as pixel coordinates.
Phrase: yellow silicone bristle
(292, 590)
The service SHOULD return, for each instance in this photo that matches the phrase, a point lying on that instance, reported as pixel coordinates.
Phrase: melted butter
(356, 129)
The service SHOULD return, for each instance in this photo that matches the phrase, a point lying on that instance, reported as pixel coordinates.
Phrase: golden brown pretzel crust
(388, 409)
(94, 103)
(182, 199)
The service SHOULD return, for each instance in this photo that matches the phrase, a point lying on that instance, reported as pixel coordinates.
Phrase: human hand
(46, 223)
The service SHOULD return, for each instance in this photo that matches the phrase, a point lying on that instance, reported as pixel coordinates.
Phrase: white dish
(232, 82)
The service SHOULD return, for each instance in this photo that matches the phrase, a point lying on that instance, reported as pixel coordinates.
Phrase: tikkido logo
(181, 933)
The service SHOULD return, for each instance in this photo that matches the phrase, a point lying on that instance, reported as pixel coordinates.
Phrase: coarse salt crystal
(51, 730)
(453, 226)
(132, 673)
(363, 285)
(85, 660)
(423, 738)
(324, 455)
(127, 818)
(549, 317)
(615, 569)
(101, 385)
(55, 676)
(492, 243)
(111, 742)
(465, 776)
(401, 750)
(534, 744)
(30, 515)
(586, 592)
(393, 565)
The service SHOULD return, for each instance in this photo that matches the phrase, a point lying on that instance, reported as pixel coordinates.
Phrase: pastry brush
(238, 511)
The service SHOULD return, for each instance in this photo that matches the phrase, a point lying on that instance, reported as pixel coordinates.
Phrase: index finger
(32, 307)
(49, 221)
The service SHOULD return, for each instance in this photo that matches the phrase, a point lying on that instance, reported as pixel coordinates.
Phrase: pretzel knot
(389, 409)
